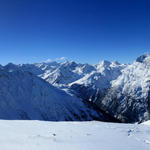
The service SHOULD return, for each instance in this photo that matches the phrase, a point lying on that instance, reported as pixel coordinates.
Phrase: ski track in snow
(43, 135)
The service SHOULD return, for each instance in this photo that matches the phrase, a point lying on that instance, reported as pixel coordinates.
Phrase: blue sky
(80, 30)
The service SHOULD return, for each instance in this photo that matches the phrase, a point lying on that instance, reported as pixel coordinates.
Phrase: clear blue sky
(81, 30)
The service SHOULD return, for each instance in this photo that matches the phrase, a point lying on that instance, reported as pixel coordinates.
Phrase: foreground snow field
(42, 135)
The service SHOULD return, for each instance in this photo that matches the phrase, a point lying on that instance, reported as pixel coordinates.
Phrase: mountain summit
(143, 58)
(72, 91)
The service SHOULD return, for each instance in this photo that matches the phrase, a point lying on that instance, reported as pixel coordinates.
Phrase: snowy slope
(58, 73)
(70, 72)
(128, 98)
(98, 81)
(88, 82)
(26, 96)
(70, 75)
(40, 135)
(120, 90)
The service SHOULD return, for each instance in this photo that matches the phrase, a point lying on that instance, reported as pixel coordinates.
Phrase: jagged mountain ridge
(120, 90)
(128, 99)
(26, 96)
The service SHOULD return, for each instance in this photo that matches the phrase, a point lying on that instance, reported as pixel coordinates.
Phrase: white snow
(25, 96)
(102, 76)
(146, 123)
(41, 135)
(107, 81)
(68, 73)
(134, 79)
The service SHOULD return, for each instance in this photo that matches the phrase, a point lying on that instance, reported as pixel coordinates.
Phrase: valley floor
(42, 135)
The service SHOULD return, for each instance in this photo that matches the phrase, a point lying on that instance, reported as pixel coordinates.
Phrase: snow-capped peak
(116, 88)
(144, 58)
(104, 63)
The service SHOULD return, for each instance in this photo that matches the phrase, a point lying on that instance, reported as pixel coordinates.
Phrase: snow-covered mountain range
(72, 91)
(24, 95)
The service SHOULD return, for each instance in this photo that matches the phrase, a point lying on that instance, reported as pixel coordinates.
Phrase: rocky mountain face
(24, 95)
(106, 91)
(128, 98)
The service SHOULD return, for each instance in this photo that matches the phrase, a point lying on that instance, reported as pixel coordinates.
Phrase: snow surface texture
(41, 135)
(120, 90)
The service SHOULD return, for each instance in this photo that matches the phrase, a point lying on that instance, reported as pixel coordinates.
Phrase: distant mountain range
(107, 91)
